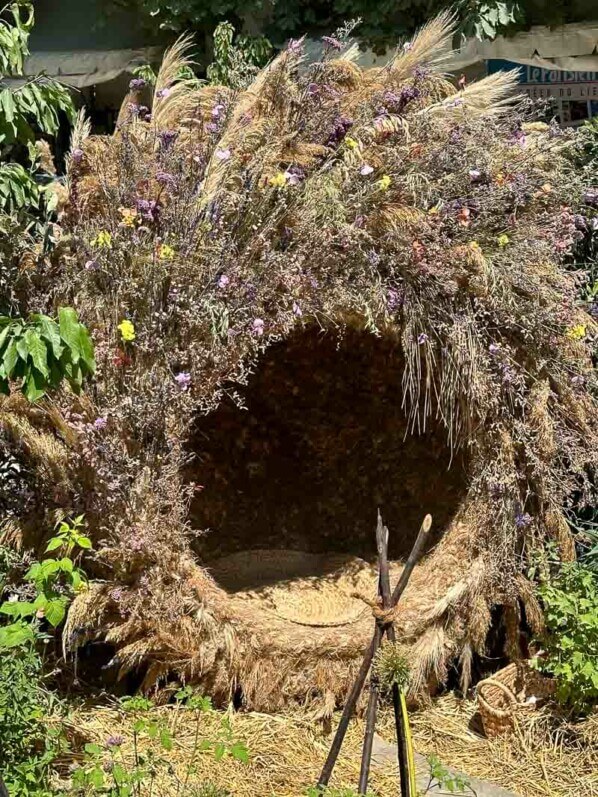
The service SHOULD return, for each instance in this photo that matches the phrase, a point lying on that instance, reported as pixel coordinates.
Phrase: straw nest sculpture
(341, 289)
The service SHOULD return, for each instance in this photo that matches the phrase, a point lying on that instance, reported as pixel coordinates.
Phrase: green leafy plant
(26, 110)
(41, 352)
(236, 59)
(107, 770)
(391, 667)
(54, 580)
(27, 746)
(445, 779)
(569, 595)
(224, 745)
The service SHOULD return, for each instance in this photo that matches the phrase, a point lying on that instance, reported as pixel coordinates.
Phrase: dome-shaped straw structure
(344, 290)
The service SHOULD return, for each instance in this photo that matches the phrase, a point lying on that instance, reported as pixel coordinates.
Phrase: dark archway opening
(323, 442)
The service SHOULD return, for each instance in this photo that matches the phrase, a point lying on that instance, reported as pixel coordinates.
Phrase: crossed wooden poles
(384, 625)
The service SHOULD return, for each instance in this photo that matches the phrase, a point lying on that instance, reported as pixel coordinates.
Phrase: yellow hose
(409, 746)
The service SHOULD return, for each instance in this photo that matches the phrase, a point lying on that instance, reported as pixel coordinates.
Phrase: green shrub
(27, 746)
(42, 352)
(570, 642)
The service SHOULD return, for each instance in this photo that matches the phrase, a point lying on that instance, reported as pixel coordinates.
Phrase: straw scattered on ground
(547, 755)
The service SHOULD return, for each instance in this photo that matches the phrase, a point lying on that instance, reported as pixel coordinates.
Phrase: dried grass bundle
(325, 199)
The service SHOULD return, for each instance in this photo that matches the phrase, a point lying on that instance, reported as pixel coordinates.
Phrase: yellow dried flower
(103, 240)
(351, 143)
(127, 330)
(577, 332)
(475, 246)
(165, 252)
(128, 216)
(384, 182)
(503, 240)
(278, 181)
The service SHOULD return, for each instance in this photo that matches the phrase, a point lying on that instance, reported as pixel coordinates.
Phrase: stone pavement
(384, 753)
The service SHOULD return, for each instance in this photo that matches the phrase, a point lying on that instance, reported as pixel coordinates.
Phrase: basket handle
(504, 688)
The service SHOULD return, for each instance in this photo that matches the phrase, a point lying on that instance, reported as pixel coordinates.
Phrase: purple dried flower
(223, 281)
(395, 103)
(162, 93)
(393, 299)
(183, 380)
(523, 520)
(519, 137)
(508, 374)
(494, 348)
(366, 169)
(167, 138)
(100, 424)
(313, 89)
(217, 110)
(137, 84)
(294, 175)
(166, 179)
(421, 72)
(297, 310)
(212, 127)
(77, 155)
(590, 197)
(578, 381)
(422, 338)
(340, 129)
(115, 741)
(148, 208)
(373, 257)
(258, 327)
(330, 41)
(475, 175)
(593, 309)
(92, 265)
(497, 490)
(223, 154)
(295, 46)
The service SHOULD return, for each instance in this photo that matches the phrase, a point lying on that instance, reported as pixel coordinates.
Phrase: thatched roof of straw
(326, 195)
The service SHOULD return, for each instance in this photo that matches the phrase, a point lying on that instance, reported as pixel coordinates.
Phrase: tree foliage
(383, 22)
(28, 108)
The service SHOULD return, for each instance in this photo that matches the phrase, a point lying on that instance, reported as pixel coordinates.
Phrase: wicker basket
(508, 693)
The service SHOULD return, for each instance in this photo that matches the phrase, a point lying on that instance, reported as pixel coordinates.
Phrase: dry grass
(545, 758)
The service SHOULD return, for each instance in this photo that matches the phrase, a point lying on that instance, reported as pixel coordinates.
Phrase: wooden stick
(357, 688)
(413, 559)
(348, 711)
(372, 710)
(396, 698)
